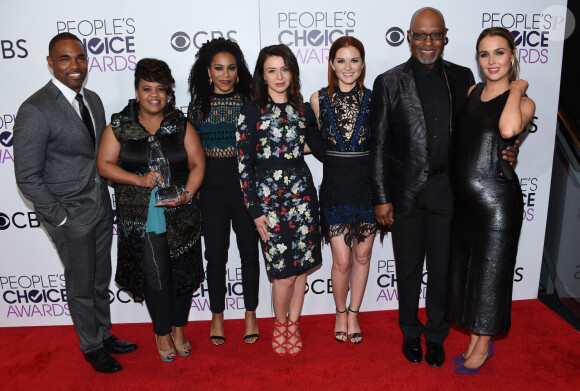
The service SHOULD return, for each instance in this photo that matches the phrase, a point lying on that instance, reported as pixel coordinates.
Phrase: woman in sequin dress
(488, 206)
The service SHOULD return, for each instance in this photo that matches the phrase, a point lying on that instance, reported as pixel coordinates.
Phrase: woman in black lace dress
(277, 185)
(219, 84)
(158, 245)
(347, 214)
(488, 206)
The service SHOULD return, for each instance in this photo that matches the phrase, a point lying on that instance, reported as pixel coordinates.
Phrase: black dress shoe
(116, 346)
(435, 355)
(412, 349)
(102, 361)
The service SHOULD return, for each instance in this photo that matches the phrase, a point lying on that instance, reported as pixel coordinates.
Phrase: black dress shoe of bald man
(412, 349)
(435, 355)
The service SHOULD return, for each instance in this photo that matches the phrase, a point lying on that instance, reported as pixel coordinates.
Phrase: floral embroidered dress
(345, 192)
(277, 183)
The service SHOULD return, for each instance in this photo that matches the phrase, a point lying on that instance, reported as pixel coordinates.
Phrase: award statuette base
(167, 194)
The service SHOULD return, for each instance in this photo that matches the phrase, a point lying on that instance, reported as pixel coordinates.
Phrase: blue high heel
(463, 370)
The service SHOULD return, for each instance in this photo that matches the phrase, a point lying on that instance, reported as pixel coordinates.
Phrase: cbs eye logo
(180, 41)
(395, 36)
(4, 221)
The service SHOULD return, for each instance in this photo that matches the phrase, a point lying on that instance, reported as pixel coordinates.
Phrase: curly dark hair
(199, 87)
(157, 71)
(260, 89)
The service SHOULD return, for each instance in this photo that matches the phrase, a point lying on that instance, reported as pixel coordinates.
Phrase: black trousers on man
(222, 206)
(424, 233)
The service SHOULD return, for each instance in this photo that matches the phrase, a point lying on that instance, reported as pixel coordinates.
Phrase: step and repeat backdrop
(117, 34)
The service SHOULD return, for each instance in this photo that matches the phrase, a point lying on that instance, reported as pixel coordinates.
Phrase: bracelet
(190, 196)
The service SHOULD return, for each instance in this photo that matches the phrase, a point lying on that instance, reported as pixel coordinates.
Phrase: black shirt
(434, 95)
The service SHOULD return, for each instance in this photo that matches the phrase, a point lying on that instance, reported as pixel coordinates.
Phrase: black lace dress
(345, 193)
(487, 220)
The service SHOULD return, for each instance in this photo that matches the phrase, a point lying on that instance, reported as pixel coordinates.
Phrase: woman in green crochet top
(219, 83)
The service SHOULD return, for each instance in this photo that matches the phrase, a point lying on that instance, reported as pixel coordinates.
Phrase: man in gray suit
(56, 133)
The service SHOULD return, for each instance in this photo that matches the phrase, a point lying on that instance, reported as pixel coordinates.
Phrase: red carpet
(541, 352)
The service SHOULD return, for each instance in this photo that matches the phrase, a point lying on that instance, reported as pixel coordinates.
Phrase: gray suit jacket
(54, 157)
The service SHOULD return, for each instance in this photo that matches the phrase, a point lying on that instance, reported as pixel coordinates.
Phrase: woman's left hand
(184, 199)
(521, 86)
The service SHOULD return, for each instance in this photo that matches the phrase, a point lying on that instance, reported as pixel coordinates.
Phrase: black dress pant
(425, 232)
(166, 309)
(222, 205)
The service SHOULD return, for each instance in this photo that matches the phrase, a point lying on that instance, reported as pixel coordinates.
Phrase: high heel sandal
(217, 340)
(251, 338)
(295, 334)
(354, 335)
(165, 355)
(279, 346)
(340, 334)
(184, 349)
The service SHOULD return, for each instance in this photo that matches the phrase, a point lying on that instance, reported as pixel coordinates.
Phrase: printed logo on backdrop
(533, 32)
(319, 287)
(530, 187)
(6, 138)
(234, 293)
(110, 43)
(34, 296)
(12, 49)
(18, 220)
(311, 33)
(182, 41)
(387, 282)
(395, 36)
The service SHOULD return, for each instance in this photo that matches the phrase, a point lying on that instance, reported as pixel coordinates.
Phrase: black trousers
(425, 232)
(166, 309)
(222, 205)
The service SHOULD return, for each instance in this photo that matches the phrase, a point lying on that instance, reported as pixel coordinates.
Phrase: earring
(512, 63)
(237, 79)
(168, 100)
(210, 80)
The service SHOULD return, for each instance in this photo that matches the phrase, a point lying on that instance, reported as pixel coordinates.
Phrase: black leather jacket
(400, 144)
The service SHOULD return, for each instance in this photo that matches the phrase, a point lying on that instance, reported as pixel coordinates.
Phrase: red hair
(340, 43)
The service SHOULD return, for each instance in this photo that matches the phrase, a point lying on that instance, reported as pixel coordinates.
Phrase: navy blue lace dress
(345, 193)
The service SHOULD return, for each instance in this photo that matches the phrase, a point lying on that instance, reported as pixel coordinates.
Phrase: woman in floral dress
(277, 185)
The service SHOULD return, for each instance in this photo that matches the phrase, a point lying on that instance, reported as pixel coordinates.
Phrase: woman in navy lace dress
(277, 185)
(347, 214)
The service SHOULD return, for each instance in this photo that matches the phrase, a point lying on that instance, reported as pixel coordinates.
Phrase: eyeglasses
(436, 36)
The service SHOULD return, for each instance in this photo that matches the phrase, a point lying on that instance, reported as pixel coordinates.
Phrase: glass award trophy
(158, 163)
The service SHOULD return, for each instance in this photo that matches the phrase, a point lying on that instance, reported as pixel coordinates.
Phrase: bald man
(414, 106)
